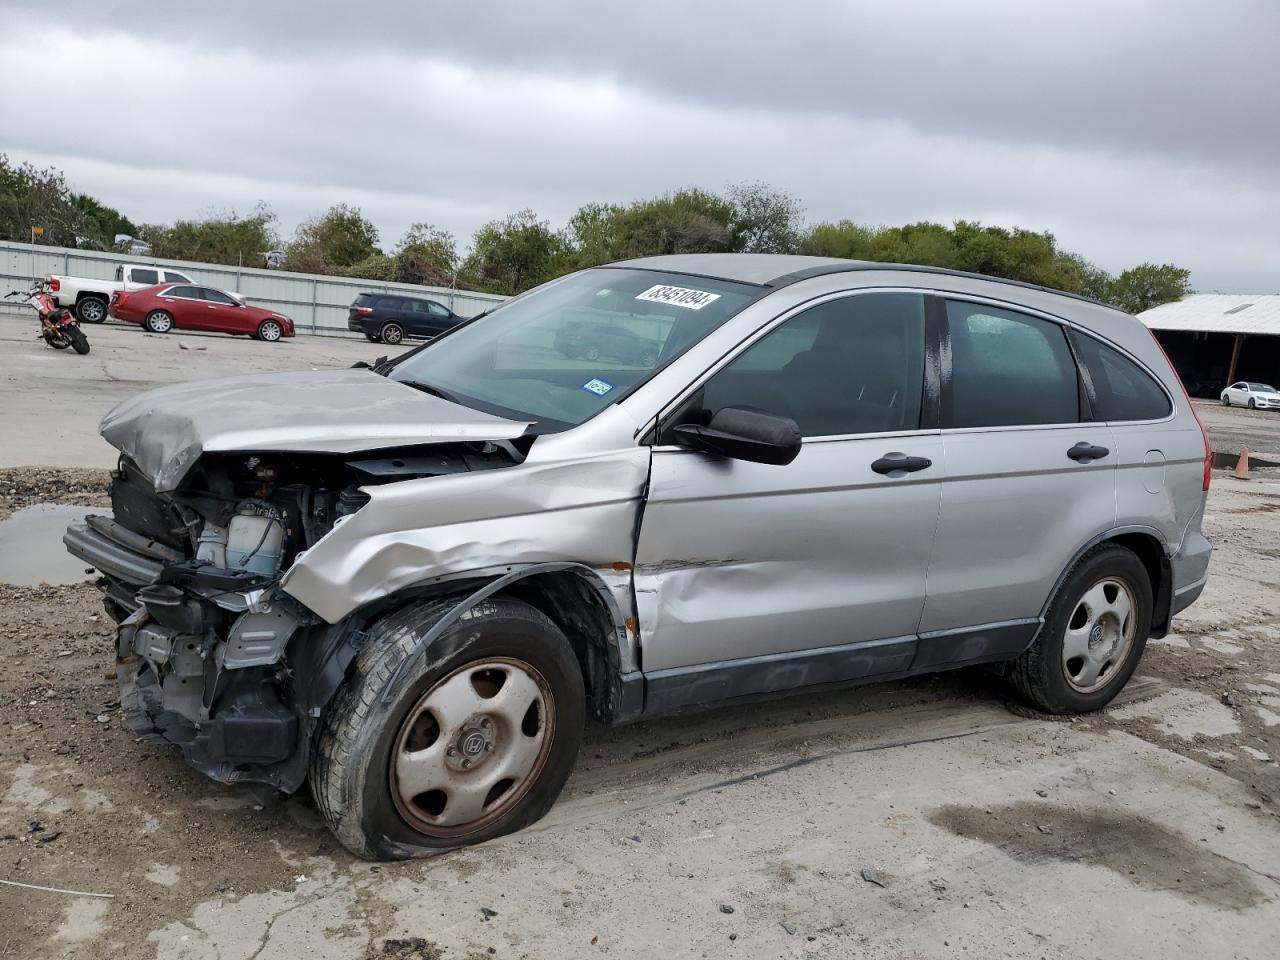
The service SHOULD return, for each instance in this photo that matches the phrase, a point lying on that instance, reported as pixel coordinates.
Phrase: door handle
(899, 464)
(1084, 452)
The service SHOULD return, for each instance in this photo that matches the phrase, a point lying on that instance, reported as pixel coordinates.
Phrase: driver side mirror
(743, 434)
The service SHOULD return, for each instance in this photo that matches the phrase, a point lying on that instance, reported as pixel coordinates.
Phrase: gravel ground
(920, 818)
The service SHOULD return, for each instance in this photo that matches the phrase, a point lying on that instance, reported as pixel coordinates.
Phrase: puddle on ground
(1144, 853)
(31, 550)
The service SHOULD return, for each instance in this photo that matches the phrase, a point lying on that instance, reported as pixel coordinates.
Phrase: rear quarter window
(1121, 390)
(144, 276)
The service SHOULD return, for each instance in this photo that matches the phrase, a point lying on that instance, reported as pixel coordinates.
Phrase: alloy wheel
(1099, 634)
(471, 747)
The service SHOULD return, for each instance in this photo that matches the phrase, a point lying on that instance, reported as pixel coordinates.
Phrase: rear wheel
(425, 754)
(392, 333)
(269, 330)
(91, 310)
(79, 342)
(1092, 637)
(159, 321)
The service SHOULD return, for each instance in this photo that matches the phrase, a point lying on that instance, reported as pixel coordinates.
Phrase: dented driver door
(752, 577)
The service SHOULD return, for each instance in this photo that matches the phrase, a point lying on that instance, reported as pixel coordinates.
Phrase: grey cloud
(882, 117)
(1181, 78)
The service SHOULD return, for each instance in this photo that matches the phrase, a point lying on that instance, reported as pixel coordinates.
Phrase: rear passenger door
(1027, 481)
(1159, 463)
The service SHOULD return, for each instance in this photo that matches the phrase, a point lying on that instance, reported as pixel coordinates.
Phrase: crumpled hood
(165, 431)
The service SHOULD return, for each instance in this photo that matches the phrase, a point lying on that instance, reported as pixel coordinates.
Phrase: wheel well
(1149, 551)
(88, 295)
(576, 607)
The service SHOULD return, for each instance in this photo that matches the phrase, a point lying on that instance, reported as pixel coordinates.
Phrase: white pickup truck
(90, 298)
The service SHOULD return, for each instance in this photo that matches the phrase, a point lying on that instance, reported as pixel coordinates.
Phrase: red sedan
(184, 306)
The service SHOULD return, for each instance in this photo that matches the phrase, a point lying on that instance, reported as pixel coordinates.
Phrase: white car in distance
(1246, 393)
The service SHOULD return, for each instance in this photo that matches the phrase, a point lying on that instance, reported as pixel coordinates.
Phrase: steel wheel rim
(1099, 635)
(271, 330)
(472, 747)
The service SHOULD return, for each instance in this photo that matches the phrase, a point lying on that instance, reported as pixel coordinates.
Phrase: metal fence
(316, 304)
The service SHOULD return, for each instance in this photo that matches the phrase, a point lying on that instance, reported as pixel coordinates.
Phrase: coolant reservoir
(254, 543)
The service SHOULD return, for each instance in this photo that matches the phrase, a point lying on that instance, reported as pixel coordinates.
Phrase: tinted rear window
(365, 300)
(145, 276)
(1009, 369)
(1122, 390)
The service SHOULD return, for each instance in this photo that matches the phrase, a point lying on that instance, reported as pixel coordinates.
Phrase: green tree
(377, 266)
(332, 242)
(32, 197)
(1149, 285)
(101, 223)
(217, 238)
(515, 253)
(427, 255)
(1093, 281)
(764, 220)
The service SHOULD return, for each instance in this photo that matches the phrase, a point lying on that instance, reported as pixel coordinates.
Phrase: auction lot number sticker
(679, 296)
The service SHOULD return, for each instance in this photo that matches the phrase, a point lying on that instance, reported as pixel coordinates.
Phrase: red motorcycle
(57, 325)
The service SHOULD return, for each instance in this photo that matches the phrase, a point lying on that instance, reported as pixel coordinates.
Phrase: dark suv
(390, 317)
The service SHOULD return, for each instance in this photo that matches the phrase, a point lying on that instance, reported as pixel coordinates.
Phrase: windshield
(1262, 388)
(561, 354)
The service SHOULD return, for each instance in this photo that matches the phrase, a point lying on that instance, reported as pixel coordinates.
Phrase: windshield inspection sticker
(597, 386)
(679, 296)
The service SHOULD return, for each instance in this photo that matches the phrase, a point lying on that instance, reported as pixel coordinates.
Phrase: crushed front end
(212, 655)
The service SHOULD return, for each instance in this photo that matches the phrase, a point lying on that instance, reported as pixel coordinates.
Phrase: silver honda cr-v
(663, 484)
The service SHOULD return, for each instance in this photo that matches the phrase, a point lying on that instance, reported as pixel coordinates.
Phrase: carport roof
(1217, 313)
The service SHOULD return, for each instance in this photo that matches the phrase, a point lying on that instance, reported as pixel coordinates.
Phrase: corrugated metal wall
(316, 304)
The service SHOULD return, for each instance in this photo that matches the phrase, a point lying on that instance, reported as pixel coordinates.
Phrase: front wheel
(1253, 404)
(158, 321)
(1226, 401)
(425, 754)
(269, 330)
(1092, 637)
(79, 342)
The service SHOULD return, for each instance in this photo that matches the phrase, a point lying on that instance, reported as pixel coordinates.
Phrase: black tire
(351, 761)
(1039, 675)
(56, 341)
(79, 342)
(371, 337)
(1226, 401)
(391, 334)
(1253, 404)
(158, 321)
(269, 331)
(91, 310)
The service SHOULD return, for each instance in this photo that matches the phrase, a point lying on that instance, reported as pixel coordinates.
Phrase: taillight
(55, 284)
(1204, 434)
(364, 311)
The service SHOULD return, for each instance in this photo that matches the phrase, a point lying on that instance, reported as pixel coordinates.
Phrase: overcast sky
(1131, 129)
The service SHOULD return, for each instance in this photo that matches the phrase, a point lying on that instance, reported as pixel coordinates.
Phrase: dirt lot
(928, 818)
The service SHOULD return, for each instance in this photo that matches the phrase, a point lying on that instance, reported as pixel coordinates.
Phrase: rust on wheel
(471, 747)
